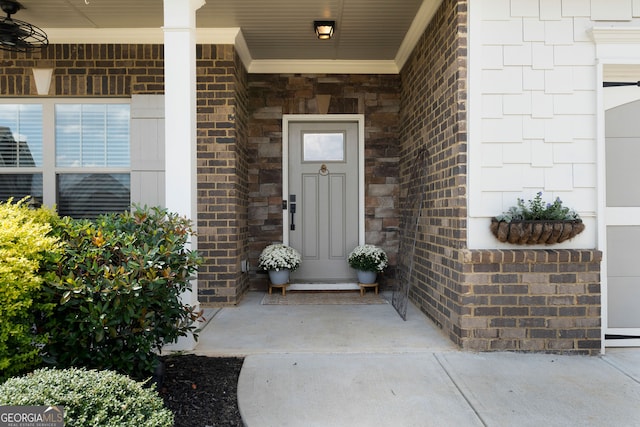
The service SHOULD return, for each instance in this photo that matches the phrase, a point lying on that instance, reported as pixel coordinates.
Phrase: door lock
(292, 211)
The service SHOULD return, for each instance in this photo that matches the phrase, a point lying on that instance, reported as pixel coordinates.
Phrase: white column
(180, 121)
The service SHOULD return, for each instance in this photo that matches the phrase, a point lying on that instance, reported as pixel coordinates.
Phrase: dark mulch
(202, 391)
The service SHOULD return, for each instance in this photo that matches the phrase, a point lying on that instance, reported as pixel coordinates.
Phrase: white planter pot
(279, 277)
(366, 276)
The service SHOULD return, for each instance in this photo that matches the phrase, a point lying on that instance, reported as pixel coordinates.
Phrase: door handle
(292, 211)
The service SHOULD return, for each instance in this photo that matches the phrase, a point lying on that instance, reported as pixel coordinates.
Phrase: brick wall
(434, 166)
(86, 70)
(124, 70)
(222, 174)
(375, 96)
(531, 300)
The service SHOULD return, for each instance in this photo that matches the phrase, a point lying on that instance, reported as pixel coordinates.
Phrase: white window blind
(74, 153)
(92, 135)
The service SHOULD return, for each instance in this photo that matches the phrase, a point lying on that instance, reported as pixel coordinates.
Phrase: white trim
(416, 30)
(292, 118)
(323, 286)
(474, 121)
(631, 342)
(601, 203)
(624, 342)
(624, 331)
(328, 66)
(136, 35)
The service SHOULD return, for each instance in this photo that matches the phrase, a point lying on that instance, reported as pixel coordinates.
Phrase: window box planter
(532, 232)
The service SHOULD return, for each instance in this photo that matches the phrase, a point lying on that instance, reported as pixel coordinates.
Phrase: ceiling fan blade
(614, 84)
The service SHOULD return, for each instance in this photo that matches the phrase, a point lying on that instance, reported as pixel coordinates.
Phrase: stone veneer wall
(519, 300)
(375, 96)
(124, 70)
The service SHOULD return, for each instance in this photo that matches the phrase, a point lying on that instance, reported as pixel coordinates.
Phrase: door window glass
(323, 147)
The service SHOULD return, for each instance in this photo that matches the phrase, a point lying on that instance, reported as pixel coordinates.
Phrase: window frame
(49, 170)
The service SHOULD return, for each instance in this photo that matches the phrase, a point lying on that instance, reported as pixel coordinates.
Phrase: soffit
(367, 30)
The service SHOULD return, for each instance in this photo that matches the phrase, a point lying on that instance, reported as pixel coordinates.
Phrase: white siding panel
(492, 57)
(533, 30)
(532, 79)
(548, 126)
(508, 80)
(517, 153)
(492, 106)
(576, 8)
(582, 102)
(517, 55)
(580, 54)
(585, 175)
(611, 10)
(541, 105)
(533, 128)
(559, 32)
(550, 10)
(580, 151)
(559, 80)
(541, 154)
(532, 178)
(636, 8)
(558, 178)
(559, 129)
(496, 10)
(507, 178)
(542, 57)
(507, 129)
(490, 199)
(517, 103)
(584, 78)
(502, 32)
(524, 8)
(491, 155)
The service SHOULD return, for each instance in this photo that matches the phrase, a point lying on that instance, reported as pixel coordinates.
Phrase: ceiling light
(324, 29)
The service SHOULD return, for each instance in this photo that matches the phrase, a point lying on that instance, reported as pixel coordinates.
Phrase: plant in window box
(279, 260)
(537, 222)
(368, 261)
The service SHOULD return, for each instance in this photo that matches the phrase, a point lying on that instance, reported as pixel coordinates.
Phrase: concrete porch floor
(362, 365)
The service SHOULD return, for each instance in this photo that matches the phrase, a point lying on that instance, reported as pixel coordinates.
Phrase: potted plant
(537, 222)
(368, 261)
(279, 260)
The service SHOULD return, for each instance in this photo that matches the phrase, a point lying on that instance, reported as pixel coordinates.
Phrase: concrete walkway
(362, 365)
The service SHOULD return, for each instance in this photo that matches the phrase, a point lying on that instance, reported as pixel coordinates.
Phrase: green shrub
(90, 397)
(118, 286)
(24, 240)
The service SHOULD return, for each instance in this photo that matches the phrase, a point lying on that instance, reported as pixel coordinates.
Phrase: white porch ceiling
(376, 35)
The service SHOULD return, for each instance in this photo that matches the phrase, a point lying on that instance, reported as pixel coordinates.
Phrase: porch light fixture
(324, 29)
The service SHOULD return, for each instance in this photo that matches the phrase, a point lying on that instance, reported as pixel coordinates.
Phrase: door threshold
(322, 286)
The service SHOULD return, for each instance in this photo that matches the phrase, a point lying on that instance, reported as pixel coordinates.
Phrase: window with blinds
(21, 152)
(75, 155)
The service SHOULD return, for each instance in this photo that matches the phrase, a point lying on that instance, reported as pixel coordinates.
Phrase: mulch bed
(202, 391)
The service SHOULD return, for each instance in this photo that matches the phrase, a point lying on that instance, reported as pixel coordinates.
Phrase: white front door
(323, 214)
(622, 216)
